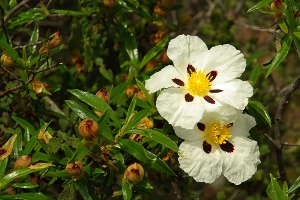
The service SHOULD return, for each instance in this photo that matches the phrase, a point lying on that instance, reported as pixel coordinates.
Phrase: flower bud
(55, 40)
(131, 90)
(134, 173)
(141, 96)
(23, 162)
(43, 49)
(7, 61)
(88, 129)
(103, 94)
(277, 7)
(109, 3)
(37, 86)
(75, 169)
(145, 123)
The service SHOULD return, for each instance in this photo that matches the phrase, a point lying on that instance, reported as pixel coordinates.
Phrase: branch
(31, 78)
(12, 11)
(290, 144)
(277, 134)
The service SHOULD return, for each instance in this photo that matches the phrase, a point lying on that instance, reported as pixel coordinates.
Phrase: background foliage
(117, 45)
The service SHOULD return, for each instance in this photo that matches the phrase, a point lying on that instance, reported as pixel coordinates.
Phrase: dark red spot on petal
(206, 147)
(209, 99)
(215, 91)
(188, 97)
(212, 75)
(2, 151)
(178, 81)
(229, 125)
(190, 69)
(228, 147)
(201, 126)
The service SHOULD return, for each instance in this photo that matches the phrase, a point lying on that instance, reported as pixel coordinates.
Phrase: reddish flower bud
(109, 3)
(277, 7)
(55, 40)
(75, 169)
(103, 94)
(23, 162)
(88, 129)
(134, 173)
(7, 61)
(141, 96)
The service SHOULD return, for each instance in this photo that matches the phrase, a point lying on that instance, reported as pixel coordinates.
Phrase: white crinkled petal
(235, 93)
(201, 166)
(242, 125)
(188, 134)
(224, 114)
(241, 164)
(186, 49)
(163, 79)
(226, 60)
(172, 106)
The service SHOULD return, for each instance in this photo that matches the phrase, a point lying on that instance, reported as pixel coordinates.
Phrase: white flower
(200, 80)
(213, 148)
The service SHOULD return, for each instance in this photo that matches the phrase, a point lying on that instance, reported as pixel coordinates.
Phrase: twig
(290, 144)
(277, 134)
(31, 78)
(11, 74)
(12, 11)
(3, 25)
(270, 138)
(32, 44)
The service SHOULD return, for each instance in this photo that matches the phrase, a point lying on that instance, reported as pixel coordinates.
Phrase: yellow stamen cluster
(219, 134)
(198, 84)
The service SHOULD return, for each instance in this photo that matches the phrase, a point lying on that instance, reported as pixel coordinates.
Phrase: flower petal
(188, 134)
(172, 106)
(242, 163)
(235, 93)
(163, 79)
(201, 166)
(186, 49)
(226, 60)
(242, 125)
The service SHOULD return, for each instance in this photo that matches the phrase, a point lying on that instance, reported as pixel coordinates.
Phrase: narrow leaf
(295, 186)
(261, 110)
(281, 54)
(259, 5)
(156, 136)
(131, 48)
(81, 152)
(81, 110)
(133, 148)
(31, 196)
(126, 190)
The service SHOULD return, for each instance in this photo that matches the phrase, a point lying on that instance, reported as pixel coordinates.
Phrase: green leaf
(156, 136)
(274, 191)
(295, 186)
(15, 174)
(69, 192)
(28, 185)
(29, 195)
(81, 152)
(289, 15)
(281, 54)
(154, 52)
(260, 109)
(34, 38)
(9, 50)
(67, 150)
(254, 75)
(105, 130)
(63, 174)
(131, 48)
(133, 148)
(83, 189)
(66, 12)
(145, 91)
(26, 125)
(34, 14)
(159, 165)
(259, 5)
(137, 118)
(297, 34)
(3, 165)
(18, 143)
(95, 102)
(81, 110)
(126, 190)
(130, 111)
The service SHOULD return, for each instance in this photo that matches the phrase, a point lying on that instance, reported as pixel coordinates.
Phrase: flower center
(198, 83)
(219, 134)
